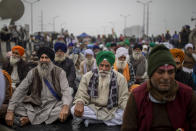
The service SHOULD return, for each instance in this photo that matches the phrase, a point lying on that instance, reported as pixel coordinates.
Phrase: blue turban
(60, 45)
(70, 44)
(95, 47)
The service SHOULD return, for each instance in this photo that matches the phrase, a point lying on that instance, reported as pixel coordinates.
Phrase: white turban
(188, 45)
(145, 47)
(88, 51)
(122, 52)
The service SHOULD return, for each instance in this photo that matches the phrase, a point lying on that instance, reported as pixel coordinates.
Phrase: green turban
(108, 45)
(108, 55)
(127, 42)
(159, 55)
(121, 43)
(152, 44)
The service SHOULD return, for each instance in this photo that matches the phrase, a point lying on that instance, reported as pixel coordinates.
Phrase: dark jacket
(142, 114)
(22, 69)
(68, 66)
(185, 78)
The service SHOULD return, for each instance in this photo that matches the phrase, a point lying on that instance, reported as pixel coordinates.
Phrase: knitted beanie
(160, 55)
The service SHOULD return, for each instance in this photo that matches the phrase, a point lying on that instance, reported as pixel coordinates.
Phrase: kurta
(50, 108)
(84, 68)
(99, 104)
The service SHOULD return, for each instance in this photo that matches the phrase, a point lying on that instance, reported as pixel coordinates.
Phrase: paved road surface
(57, 126)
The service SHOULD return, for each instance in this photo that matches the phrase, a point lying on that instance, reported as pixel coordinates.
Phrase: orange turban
(177, 53)
(20, 49)
(133, 87)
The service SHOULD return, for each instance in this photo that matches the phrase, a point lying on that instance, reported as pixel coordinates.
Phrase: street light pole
(64, 23)
(54, 18)
(145, 25)
(125, 22)
(31, 6)
(144, 12)
(147, 30)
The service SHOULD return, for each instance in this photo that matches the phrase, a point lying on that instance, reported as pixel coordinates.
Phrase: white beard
(14, 60)
(137, 55)
(89, 62)
(59, 58)
(103, 74)
(121, 64)
(44, 69)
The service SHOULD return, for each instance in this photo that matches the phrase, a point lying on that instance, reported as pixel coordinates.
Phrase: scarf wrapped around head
(88, 51)
(108, 55)
(177, 53)
(189, 45)
(20, 49)
(122, 52)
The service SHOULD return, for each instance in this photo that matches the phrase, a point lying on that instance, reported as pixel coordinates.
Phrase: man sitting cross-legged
(102, 94)
(43, 96)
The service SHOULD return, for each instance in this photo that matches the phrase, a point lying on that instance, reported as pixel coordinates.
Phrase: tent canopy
(84, 35)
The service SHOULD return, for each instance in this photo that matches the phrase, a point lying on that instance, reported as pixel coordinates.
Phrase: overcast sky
(99, 16)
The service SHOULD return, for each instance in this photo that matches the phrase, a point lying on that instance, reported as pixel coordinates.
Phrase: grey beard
(136, 55)
(121, 64)
(89, 62)
(59, 59)
(103, 74)
(44, 69)
(14, 60)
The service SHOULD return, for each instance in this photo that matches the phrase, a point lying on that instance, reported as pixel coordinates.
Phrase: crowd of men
(137, 83)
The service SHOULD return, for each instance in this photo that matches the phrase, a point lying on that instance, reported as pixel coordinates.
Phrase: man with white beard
(102, 94)
(123, 66)
(89, 63)
(189, 58)
(43, 96)
(62, 60)
(139, 64)
(16, 66)
(145, 50)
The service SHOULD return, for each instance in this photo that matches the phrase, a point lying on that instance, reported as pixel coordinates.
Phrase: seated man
(139, 64)
(189, 60)
(16, 66)
(62, 60)
(2, 96)
(181, 75)
(102, 94)
(121, 65)
(43, 96)
(8, 94)
(89, 63)
(161, 103)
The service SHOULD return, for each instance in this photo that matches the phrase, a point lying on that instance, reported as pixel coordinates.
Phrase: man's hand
(79, 109)
(9, 118)
(64, 113)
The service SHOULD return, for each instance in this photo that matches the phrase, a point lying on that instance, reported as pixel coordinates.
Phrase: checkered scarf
(113, 91)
